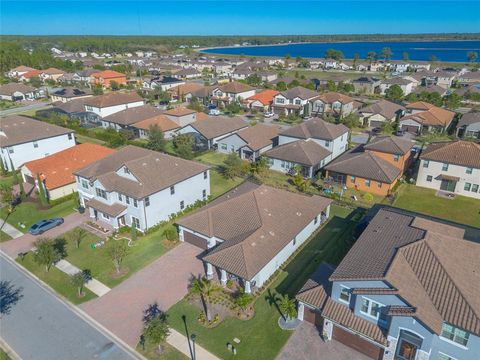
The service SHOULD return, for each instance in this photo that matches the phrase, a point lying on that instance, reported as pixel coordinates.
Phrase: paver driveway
(306, 344)
(165, 281)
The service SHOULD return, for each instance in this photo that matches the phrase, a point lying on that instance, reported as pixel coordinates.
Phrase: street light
(193, 337)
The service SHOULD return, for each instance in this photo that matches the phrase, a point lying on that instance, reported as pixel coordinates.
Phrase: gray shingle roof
(305, 152)
(300, 92)
(217, 126)
(133, 115)
(316, 128)
(390, 145)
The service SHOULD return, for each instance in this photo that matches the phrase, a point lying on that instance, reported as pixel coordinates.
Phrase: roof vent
(253, 244)
(262, 236)
(271, 233)
(157, 159)
(144, 164)
(299, 213)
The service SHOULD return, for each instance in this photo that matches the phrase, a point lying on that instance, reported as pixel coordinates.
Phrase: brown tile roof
(431, 263)
(331, 97)
(365, 165)
(9, 89)
(53, 71)
(300, 92)
(186, 88)
(255, 226)
(316, 128)
(112, 210)
(235, 87)
(219, 125)
(112, 99)
(259, 136)
(57, 169)
(163, 122)
(17, 129)
(315, 291)
(133, 115)
(374, 291)
(155, 171)
(398, 310)
(431, 114)
(22, 68)
(179, 111)
(385, 108)
(390, 145)
(458, 152)
(305, 152)
(343, 316)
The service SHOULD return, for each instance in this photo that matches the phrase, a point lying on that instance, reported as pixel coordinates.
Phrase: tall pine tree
(41, 191)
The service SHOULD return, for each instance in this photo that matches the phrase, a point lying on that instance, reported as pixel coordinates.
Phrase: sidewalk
(93, 285)
(10, 230)
(181, 343)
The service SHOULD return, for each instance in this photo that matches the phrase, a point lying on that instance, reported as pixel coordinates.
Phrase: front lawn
(219, 185)
(212, 158)
(82, 139)
(460, 209)
(58, 280)
(4, 236)
(29, 213)
(168, 353)
(261, 337)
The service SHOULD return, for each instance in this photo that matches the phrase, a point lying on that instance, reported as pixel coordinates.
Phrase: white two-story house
(452, 166)
(230, 92)
(112, 103)
(294, 101)
(140, 187)
(24, 139)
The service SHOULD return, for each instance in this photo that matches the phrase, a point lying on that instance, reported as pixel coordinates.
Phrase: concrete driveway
(24, 243)
(165, 281)
(306, 344)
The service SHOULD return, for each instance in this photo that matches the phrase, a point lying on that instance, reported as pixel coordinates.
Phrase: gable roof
(217, 126)
(57, 169)
(255, 226)
(133, 115)
(70, 92)
(112, 99)
(390, 145)
(385, 108)
(155, 171)
(10, 88)
(331, 97)
(300, 92)
(431, 114)
(235, 87)
(458, 152)
(17, 129)
(179, 111)
(162, 121)
(316, 289)
(265, 97)
(305, 152)
(365, 165)
(316, 128)
(467, 119)
(259, 136)
(107, 74)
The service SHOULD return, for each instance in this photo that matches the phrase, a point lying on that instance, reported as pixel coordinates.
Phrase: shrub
(229, 284)
(170, 233)
(368, 197)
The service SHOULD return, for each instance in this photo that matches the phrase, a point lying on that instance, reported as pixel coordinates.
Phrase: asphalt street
(40, 326)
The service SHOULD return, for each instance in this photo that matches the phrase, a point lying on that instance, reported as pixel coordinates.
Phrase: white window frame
(370, 302)
(340, 293)
(452, 341)
(136, 222)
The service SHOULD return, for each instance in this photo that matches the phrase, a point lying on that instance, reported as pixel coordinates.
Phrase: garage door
(312, 316)
(195, 240)
(356, 342)
(410, 128)
(376, 124)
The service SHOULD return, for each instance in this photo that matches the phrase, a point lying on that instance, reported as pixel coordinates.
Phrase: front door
(448, 185)
(406, 350)
(95, 213)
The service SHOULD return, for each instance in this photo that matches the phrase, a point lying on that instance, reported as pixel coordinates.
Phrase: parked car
(269, 114)
(44, 225)
(214, 112)
(400, 132)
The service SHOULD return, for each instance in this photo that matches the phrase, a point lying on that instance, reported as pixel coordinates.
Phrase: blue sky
(237, 17)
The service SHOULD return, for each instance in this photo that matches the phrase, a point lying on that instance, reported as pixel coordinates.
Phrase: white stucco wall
(109, 110)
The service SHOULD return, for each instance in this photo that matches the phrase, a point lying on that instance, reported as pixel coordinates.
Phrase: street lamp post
(193, 337)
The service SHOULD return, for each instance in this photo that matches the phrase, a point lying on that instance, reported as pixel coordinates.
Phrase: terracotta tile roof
(112, 99)
(385, 108)
(17, 129)
(255, 226)
(316, 128)
(235, 87)
(22, 68)
(200, 116)
(458, 152)
(374, 291)
(390, 145)
(343, 316)
(154, 171)
(430, 115)
(219, 125)
(365, 165)
(107, 74)
(57, 169)
(133, 115)
(53, 71)
(32, 73)
(420, 105)
(300, 92)
(113, 210)
(265, 96)
(9, 89)
(315, 291)
(398, 310)
(179, 111)
(259, 136)
(331, 97)
(305, 152)
(162, 121)
(186, 88)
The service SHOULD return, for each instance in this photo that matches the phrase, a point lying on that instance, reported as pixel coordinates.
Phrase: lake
(455, 51)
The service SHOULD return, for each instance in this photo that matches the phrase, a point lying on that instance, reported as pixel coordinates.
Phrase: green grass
(261, 337)
(460, 209)
(220, 185)
(7, 179)
(3, 355)
(28, 213)
(169, 352)
(4, 236)
(146, 249)
(320, 74)
(212, 158)
(82, 139)
(58, 280)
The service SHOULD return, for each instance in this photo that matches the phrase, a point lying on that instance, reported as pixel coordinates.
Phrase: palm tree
(205, 288)
(288, 308)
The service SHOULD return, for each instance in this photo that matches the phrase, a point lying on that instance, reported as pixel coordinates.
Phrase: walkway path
(24, 108)
(10, 230)
(93, 285)
(182, 344)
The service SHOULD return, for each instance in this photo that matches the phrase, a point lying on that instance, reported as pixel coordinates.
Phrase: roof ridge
(377, 162)
(302, 146)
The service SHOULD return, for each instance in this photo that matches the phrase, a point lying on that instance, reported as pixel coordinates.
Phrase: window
(223, 146)
(172, 190)
(426, 163)
(135, 222)
(344, 294)
(469, 170)
(120, 197)
(445, 167)
(127, 200)
(147, 201)
(10, 150)
(442, 356)
(70, 136)
(379, 184)
(270, 161)
(205, 175)
(125, 170)
(135, 202)
(454, 334)
(315, 221)
(467, 186)
(84, 184)
(475, 188)
(280, 100)
(35, 144)
(429, 178)
(396, 157)
(371, 308)
(105, 216)
(101, 193)
(294, 241)
(204, 194)
(367, 182)
(327, 143)
(352, 179)
(182, 205)
(282, 164)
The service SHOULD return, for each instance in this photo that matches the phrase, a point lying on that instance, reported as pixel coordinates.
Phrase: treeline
(39, 57)
(167, 43)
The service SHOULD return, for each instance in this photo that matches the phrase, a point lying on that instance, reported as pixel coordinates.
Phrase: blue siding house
(409, 289)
